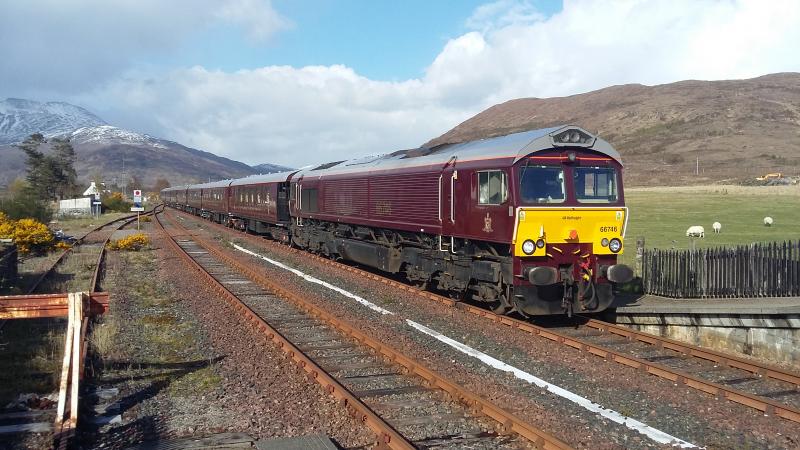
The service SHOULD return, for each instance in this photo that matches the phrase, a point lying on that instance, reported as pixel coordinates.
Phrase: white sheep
(696, 231)
(717, 227)
(768, 221)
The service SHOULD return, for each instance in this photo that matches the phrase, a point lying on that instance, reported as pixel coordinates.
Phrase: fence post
(639, 256)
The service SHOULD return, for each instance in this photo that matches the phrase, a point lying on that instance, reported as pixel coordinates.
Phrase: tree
(38, 172)
(137, 182)
(161, 184)
(51, 176)
(63, 168)
(21, 204)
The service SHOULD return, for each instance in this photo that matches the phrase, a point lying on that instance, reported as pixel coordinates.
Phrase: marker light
(540, 243)
(528, 247)
(573, 234)
(604, 242)
(615, 245)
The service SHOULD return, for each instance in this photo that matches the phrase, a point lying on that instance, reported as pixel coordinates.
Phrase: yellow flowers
(133, 242)
(28, 234)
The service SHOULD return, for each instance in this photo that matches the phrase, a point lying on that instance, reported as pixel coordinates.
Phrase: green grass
(662, 216)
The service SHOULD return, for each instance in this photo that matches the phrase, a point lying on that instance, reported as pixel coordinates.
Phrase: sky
(297, 82)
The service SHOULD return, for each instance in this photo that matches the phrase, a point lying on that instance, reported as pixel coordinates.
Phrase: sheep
(768, 221)
(696, 231)
(717, 227)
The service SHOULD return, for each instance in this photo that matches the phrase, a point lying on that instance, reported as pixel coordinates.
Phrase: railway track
(405, 404)
(109, 228)
(98, 236)
(771, 390)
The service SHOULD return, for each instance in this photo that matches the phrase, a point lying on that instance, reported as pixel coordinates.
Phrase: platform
(764, 327)
(653, 304)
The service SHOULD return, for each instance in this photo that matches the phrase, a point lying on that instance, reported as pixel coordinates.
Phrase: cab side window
(492, 187)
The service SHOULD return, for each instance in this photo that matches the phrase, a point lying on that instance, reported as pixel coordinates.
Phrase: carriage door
(448, 207)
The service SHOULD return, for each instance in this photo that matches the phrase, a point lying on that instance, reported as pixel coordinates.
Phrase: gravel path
(185, 365)
(680, 411)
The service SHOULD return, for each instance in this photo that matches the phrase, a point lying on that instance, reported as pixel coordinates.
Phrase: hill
(738, 129)
(105, 150)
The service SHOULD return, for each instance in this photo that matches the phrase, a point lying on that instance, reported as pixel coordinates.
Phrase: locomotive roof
(516, 146)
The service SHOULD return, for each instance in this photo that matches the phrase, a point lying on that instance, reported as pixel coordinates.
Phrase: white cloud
(49, 47)
(298, 116)
(258, 17)
(503, 13)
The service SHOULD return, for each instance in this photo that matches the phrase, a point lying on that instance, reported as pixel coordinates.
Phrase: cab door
(448, 200)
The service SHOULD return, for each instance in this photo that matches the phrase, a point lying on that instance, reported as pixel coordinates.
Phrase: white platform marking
(307, 277)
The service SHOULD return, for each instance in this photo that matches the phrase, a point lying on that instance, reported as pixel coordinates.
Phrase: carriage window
(492, 187)
(541, 184)
(595, 184)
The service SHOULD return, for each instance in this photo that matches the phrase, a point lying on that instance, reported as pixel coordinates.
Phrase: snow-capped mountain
(20, 118)
(270, 168)
(107, 134)
(103, 149)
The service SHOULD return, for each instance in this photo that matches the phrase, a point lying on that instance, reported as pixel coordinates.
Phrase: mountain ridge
(103, 149)
(687, 132)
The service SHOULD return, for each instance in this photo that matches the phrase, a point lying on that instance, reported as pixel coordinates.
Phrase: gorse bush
(116, 202)
(134, 242)
(29, 234)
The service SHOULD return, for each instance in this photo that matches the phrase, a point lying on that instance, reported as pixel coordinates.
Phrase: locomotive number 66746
(531, 222)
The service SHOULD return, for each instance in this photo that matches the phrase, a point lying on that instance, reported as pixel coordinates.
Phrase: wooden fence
(756, 270)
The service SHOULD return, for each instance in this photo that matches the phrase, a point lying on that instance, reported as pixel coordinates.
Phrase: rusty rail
(766, 405)
(101, 256)
(508, 422)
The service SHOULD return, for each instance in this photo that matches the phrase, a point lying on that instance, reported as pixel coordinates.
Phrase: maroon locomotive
(530, 222)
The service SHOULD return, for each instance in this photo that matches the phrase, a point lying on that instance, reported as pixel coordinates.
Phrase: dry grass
(103, 336)
(79, 226)
(194, 383)
(31, 353)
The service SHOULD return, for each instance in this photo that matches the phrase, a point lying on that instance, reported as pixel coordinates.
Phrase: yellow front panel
(555, 225)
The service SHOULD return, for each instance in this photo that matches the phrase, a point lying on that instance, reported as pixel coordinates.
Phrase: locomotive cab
(570, 227)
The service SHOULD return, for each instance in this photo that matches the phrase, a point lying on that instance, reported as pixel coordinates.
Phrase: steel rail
(66, 251)
(101, 256)
(386, 434)
(507, 421)
(766, 405)
(720, 358)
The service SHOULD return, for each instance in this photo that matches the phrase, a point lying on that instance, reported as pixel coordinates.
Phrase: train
(530, 222)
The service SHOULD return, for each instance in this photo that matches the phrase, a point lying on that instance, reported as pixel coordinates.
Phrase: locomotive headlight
(604, 242)
(528, 247)
(615, 245)
(575, 137)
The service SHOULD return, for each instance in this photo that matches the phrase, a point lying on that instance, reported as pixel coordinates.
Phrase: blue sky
(382, 40)
(296, 82)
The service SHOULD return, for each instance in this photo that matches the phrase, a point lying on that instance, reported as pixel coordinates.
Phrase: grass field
(662, 215)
